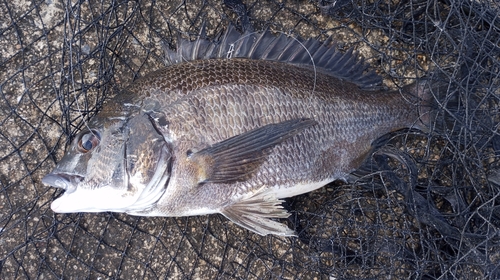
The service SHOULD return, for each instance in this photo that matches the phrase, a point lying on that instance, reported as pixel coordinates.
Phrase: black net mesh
(425, 206)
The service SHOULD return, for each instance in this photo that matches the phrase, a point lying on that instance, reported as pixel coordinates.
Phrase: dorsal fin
(266, 46)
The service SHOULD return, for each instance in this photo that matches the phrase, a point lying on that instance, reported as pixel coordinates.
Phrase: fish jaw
(107, 198)
(93, 200)
(79, 197)
(67, 182)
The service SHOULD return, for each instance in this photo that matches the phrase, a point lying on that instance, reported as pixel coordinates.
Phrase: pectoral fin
(254, 214)
(236, 158)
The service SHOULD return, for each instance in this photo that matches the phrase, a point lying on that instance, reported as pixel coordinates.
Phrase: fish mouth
(67, 182)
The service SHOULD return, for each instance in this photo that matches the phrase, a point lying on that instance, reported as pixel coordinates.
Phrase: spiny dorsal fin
(266, 46)
(236, 158)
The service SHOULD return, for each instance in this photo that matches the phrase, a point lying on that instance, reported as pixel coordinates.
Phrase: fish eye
(88, 141)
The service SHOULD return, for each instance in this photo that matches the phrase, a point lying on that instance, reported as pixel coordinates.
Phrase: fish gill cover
(425, 205)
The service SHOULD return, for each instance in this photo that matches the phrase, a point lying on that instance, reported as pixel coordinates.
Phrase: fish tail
(427, 94)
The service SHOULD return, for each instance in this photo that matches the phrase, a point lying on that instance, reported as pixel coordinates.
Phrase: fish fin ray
(236, 158)
(255, 214)
(283, 48)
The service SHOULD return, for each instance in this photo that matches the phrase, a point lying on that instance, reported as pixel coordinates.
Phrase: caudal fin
(428, 95)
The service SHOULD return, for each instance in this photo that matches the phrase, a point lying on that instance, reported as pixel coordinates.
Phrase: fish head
(119, 165)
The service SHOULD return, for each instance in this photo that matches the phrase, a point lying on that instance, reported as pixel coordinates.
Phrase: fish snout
(67, 182)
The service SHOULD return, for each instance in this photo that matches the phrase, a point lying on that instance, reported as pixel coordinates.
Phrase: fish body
(231, 135)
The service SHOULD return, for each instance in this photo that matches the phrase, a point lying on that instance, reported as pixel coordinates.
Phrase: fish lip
(65, 181)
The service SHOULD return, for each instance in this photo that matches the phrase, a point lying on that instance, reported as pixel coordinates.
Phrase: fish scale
(233, 136)
(341, 122)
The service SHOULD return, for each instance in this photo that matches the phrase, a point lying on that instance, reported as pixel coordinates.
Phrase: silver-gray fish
(232, 127)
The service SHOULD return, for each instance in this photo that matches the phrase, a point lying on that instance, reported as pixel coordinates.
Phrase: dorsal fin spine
(281, 48)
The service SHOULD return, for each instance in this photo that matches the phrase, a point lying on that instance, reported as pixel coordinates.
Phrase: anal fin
(255, 214)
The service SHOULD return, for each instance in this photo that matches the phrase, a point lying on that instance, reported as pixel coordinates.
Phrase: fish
(233, 126)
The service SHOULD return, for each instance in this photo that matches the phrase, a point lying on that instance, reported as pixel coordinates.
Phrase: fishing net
(425, 205)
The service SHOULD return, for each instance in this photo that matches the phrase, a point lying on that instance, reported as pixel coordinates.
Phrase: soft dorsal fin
(266, 46)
